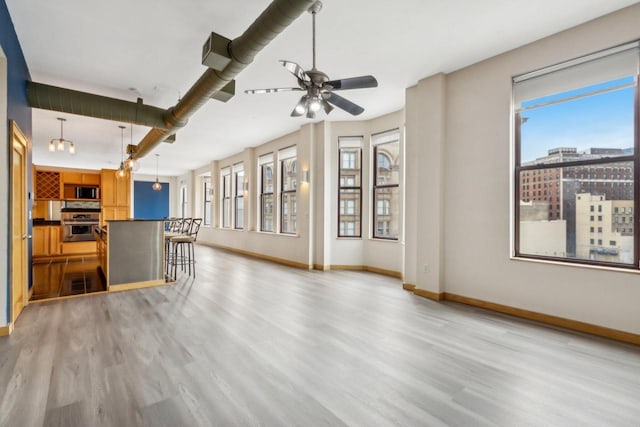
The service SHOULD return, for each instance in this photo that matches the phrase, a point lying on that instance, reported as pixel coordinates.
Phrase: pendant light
(121, 170)
(58, 144)
(131, 163)
(156, 185)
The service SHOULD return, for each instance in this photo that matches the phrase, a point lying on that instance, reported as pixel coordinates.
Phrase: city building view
(583, 211)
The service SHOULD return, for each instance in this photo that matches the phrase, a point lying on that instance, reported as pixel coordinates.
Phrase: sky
(602, 121)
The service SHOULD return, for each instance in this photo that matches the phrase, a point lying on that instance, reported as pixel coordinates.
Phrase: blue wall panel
(18, 110)
(18, 73)
(150, 204)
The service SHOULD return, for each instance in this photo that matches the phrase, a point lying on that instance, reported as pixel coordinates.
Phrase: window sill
(229, 229)
(575, 265)
(377, 239)
(273, 233)
(347, 238)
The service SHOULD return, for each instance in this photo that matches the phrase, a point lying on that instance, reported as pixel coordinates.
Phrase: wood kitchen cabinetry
(84, 178)
(59, 184)
(46, 241)
(116, 195)
(114, 212)
(71, 180)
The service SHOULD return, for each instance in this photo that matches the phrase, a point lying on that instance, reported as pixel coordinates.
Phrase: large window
(238, 205)
(265, 172)
(206, 197)
(350, 186)
(288, 190)
(386, 185)
(575, 160)
(225, 180)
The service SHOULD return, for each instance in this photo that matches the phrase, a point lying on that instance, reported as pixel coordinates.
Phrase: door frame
(17, 136)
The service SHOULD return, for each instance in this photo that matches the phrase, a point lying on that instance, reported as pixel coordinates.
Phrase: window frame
(263, 193)
(207, 201)
(376, 186)
(284, 192)
(225, 178)
(615, 162)
(238, 171)
(342, 187)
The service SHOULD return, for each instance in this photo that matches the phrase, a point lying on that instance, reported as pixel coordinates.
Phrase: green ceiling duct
(87, 104)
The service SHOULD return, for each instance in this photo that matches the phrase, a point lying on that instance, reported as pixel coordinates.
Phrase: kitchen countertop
(43, 222)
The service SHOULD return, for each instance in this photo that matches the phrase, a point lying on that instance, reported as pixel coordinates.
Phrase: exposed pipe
(87, 104)
(275, 18)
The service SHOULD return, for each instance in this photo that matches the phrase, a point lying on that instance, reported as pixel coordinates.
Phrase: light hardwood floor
(254, 343)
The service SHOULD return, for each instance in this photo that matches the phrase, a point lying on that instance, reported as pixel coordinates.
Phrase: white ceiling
(152, 49)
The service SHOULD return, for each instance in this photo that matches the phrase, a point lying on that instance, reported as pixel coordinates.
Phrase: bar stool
(173, 227)
(182, 248)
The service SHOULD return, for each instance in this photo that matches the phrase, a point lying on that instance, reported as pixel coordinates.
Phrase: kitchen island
(131, 253)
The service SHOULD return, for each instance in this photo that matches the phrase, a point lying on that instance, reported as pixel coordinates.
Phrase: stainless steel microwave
(87, 193)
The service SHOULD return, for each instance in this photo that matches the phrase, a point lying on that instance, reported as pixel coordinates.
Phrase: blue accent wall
(18, 73)
(18, 110)
(150, 204)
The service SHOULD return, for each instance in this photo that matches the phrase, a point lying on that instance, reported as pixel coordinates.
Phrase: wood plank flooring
(254, 343)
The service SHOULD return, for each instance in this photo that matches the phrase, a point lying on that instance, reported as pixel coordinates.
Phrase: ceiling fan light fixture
(301, 107)
(327, 107)
(315, 105)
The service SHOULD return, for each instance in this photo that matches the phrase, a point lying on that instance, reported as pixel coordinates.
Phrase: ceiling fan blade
(344, 104)
(272, 90)
(296, 70)
(353, 83)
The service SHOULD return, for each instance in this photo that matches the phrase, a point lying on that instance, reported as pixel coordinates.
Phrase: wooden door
(19, 261)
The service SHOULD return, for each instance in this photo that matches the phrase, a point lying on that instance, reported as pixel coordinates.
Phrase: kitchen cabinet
(75, 248)
(116, 195)
(84, 178)
(46, 240)
(110, 213)
(115, 190)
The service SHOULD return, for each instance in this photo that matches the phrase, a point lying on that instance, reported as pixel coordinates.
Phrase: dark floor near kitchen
(66, 277)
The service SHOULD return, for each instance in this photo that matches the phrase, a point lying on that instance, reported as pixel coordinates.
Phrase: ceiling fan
(319, 89)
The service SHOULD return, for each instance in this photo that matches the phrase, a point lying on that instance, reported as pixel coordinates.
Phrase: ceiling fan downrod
(315, 8)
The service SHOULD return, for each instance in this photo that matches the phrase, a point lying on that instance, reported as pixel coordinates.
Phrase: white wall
(387, 255)
(4, 188)
(476, 244)
(295, 248)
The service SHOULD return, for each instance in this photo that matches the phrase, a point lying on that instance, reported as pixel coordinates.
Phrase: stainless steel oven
(79, 227)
